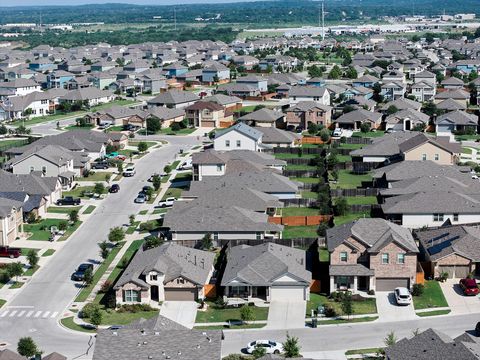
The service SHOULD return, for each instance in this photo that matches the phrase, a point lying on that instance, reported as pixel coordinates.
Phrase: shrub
(106, 286)
(443, 276)
(31, 218)
(220, 303)
(175, 126)
(88, 310)
(371, 292)
(418, 289)
(109, 300)
(63, 225)
(134, 308)
(329, 311)
(4, 277)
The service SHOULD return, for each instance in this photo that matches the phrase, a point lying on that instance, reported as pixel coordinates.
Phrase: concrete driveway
(288, 314)
(459, 303)
(388, 310)
(182, 312)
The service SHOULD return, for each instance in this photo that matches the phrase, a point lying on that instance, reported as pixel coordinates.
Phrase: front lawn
(367, 306)
(112, 317)
(466, 150)
(62, 209)
(41, 231)
(149, 143)
(48, 252)
(172, 192)
(230, 314)
(349, 180)
(432, 296)
(70, 230)
(299, 211)
(433, 313)
(340, 220)
(89, 210)
(361, 200)
(70, 324)
(79, 191)
(97, 176)
(293, 232)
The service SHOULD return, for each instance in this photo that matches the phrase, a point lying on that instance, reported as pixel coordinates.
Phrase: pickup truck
(6, 251)
(68, 200)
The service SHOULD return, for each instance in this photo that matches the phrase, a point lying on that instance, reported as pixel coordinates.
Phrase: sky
(81, 2)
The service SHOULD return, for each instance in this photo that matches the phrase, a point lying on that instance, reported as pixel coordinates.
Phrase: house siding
(416, 154)
(393, 269)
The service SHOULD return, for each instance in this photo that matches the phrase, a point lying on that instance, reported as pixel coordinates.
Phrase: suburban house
(453, 83)
(91, 96)
(273, 137)
(257, 82)
(423, 91)
(173, 99)
(215, 73)
(268, 272)
(457, 120)
(239, 136)
(450, 105)
(365, 81)
(263, 118)
(450, 249)
(59, 79)
(11, 219)
(116, 115)
(230, 103)
(167, 272)
(407, 119)
(459, 95)
(208, 114)
(425, 76)
(308, 112)
(354, 119)
(393, 90)
(371, 254)
(19, 87)
(165, 115)
(309, 93)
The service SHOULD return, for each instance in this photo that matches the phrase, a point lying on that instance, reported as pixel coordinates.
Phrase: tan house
(422, 148)
(11, 220)
(371, 254)
(208, 114)
(309, 112)
(165, 115)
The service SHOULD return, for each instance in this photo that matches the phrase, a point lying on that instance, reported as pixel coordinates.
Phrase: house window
(455, 217)
(44, 170)
(131, 296)
(437, 157)
(239, 143)
(319, 113)
(258, 235)
(153, 277)
(385, 258)
(215, 236)
(343, 282)
(424, 157)
(32, 169)
(400, 258)
(227, 143)
(219, 167)
(437, 217)
(180, 281)
(343, 256)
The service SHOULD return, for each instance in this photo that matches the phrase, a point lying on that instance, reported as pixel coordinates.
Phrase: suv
(6, 251)
(68, 200)
(129, 171)
(79, 274)
(100, 165)
(402, 296)
(337, 132)
(167, 202)
(114, 188)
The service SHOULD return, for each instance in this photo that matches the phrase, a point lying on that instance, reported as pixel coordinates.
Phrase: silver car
(402, 296)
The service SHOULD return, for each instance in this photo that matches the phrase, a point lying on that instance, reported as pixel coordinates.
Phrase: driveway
(459, 303)
(182, 312)
(388, 310)
(288, 314)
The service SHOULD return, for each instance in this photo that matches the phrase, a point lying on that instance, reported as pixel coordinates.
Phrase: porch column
(250, 292)
(371, 285)
(355, 283)
(332, 284)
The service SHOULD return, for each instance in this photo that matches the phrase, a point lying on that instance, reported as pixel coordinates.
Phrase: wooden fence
(354, 192)
(299, 161)
(313, 140)
(290, 150)
(360, 208)
(296, 242)
(353, 140)
(299, 202)
(299, 220)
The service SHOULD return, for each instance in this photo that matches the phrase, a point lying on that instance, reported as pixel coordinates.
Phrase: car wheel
(11, 256)
(276, 352)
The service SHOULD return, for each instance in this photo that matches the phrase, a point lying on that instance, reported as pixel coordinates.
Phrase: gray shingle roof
(174, 97)
(53, 153)
(263, 115)
(402, 104)
(272, 135)
(29, 183)
(458, 117)
(241, 128)
(359, 115)
(453, 94)
(260, 265)
(451, 105)
(350, 270)
(307, 91)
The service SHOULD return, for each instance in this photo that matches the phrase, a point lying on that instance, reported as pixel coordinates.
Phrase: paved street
(35, 311)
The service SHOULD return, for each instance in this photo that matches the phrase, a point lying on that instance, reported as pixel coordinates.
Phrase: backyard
(292, 232)
(349, 180)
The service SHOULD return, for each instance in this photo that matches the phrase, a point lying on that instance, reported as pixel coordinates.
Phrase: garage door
(180, 294)
(384, 284)
(446, 128)
(454, 271)
(279, 293)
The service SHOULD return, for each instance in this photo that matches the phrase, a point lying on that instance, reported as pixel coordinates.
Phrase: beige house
(371, 254)
(11, 220)
(422, 148)
(208, 114)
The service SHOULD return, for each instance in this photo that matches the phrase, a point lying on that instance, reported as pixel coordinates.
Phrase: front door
(154, 292)
(363, 283)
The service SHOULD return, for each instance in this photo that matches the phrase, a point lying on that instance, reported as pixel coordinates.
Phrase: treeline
(261, 13)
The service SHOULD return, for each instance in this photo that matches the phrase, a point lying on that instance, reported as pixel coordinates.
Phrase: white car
(337, 132)
(271, 347)
(167, 202)
(129, 171)
(187, 165)
(402, 296)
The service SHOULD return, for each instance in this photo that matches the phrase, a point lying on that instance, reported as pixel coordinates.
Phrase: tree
(152, 241)
(167, 169)
(335, 73)
(120, 167)
(103, 249)
(99, 188)
(131, 219)
(347, 306)
(341, 206)
(392, 109)
(22, 130)
(291, 348)
(390, 339)
(246, 313)
(153, 124)
(96, 318)
(108, 176)
(312, 128)
(334, 175)
(259, 352)
(324, 134)
(207, 242)
(365, 127)
(63, 225)
(156, 182)
(73, 216)
(142, 146)
(314, 71)
(116, 234)
(15, 270)
(351, 73)
(88, 276)
(32, 258)
(3, 130)
(175, 126)
(27, 347)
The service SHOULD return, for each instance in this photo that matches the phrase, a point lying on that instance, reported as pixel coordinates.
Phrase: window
(342, 282)
(455, 217)
(239, 143)
(343, 256)
(258, 235)
(215, 236)
(32, 169)
(153, 277)
(131, 296)
(437, 157)
(319, 113)
(44, 170)
(437, 217)
(219, 167)
(385, 258)
(180, 281)
(400, 258)
(424, 157)
(227, 143)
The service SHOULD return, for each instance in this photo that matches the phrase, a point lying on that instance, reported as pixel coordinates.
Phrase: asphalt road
(50, 291)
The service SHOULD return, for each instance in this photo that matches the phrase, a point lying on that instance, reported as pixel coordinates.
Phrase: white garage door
(279, 293)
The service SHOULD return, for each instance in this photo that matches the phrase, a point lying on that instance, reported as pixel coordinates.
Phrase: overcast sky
(81, 2)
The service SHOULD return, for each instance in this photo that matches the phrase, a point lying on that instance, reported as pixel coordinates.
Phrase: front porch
(355, 278)
(237, 295)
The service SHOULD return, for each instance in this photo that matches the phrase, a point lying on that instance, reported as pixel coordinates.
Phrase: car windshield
(470, 283)
(403, 296)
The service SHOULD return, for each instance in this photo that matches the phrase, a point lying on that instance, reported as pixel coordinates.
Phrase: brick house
(371, 254)
(306, 112)
(208, 114)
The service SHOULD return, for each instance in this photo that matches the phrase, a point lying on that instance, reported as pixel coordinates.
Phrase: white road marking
(20, 314)
(54, 314)
(37, 314)
(45, 314)
(13, 313)
(4, 313)
(30, 313)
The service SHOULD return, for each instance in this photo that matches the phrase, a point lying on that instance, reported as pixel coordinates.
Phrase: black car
(68, 200)
(101, 165)
(79, 274)
(114, 188)
(477, 329)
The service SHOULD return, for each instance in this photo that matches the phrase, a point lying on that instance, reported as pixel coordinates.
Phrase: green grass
(131, 229)
(169, 131)
(300, 167)
(433, 313)
(62, 209)
(175, 164)
(344, 158)
(233, 314)
(309, 195)
(112, 317)
(70, 324)
(11, 143)
(351, 146)
(172, 192)
(466, 137)
(159, 211)
(370, 134)
(115, 128)
(31, 271)
(70, 230)
(16, 285)
(339, 220)
(324, 255)
(77, 192)
(89, 210)
(348, 180)
(367, 306)
(299, 211)
(98, 176)
(36, 229)
(361, 200)
(305, 180)
(285, 156)
(75, 127)
(186, 176)
(363, 351)
(143, 212)
(49, 252)
(466, 150)
(127, 152)
(2, 302)
(26, 250)
(350, 321)
(149, 143)
(291, 232)
(231, 327)
(83, 295)
(432, 296)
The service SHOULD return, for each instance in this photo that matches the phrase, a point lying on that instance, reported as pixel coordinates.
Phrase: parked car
(141, 198)
(79, 274)
(100, 165)
(6, 251)
(68, 200)
(167, 202)
(469, 286)
(129, 171)
(186, 165)
(120, 157)
(402, 296)
(337, 132)
(114, 188)
(271, 347)
(477, 329)
(111, 155)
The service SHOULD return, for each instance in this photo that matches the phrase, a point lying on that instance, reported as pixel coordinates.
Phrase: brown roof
(201, 105)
